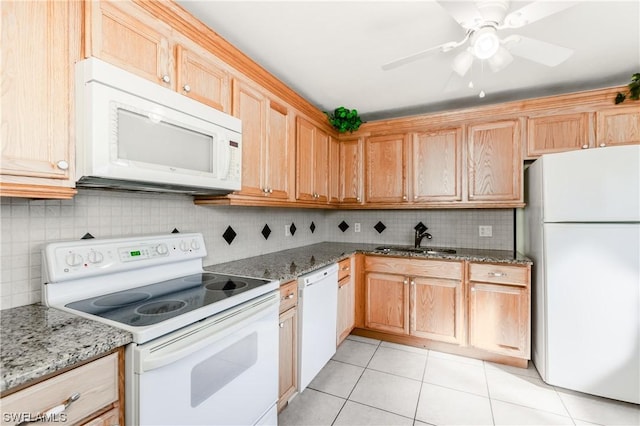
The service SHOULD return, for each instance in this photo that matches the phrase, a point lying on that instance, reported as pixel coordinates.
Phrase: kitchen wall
(26, 225)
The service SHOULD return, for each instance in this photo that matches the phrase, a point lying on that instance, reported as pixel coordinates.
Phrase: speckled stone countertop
(290, 264)
(37, 341)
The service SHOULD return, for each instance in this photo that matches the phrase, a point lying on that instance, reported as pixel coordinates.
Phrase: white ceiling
(331, 52)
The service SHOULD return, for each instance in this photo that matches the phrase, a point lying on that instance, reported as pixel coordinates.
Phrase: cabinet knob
(404, 197)
(281, 325)
(166, 78)
(585, 146)
(270, 191)
(405, 282)
(415, 197)
(473, 289)
(413, 282)
(358, 199)
(62, 165)
(602, 145)
(497, 274)
(346, 268)
(186, 88)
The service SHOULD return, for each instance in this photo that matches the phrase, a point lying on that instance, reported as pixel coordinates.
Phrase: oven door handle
(172, 348)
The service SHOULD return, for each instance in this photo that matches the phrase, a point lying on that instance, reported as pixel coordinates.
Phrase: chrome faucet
(421, 233)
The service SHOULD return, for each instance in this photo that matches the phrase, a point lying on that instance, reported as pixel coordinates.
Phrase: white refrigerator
(582, 231)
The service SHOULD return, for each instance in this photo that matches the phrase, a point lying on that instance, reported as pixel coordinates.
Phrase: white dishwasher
(317, 316)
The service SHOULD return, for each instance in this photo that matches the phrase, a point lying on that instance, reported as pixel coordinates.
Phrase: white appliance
(317, 316)
(135, 134)
(204, 348)
(582, 231)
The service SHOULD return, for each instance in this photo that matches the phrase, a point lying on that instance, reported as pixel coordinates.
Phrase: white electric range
(204, 343)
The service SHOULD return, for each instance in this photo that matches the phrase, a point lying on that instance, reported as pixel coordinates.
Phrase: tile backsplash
(26, 225)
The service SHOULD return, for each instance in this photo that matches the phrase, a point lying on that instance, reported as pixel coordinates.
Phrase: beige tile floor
(369, 382)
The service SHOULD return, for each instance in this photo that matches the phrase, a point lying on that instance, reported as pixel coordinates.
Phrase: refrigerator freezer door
(594, 185)
(593, 316)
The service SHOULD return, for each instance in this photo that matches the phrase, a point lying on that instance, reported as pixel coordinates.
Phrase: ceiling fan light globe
(462, 62)
(485, 43)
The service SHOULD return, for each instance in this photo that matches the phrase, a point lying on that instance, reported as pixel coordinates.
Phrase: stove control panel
(76, 259)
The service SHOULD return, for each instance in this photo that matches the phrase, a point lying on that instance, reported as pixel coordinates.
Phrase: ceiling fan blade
(465, 13)
(534, 12)
(422, 54)
(539, 51)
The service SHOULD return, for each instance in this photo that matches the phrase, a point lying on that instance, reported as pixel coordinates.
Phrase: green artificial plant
(634, 90)
(344, 119)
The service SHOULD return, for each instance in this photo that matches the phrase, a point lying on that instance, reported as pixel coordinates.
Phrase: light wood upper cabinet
(557, 133)
(386, 164)
(266, 143)
(40, 44)
(124, 35)
(619, 125)
(350, 170)
(202, 79)
(437, 165)
(494, 162)
(312, 165)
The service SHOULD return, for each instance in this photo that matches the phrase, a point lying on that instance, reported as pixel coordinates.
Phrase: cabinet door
(249, 106)
(386, 169)
(437, 309)
(38, 51)
(288, 356)
(346, 308)
(619, 125)
(321, 166)
(499, 318)
(277, 168)
(202, 79)
(557, 133)
(494, 162)
(387, 302)
(437, 166)
(305, 136)
(126, 36)
(350, 170)
(334, 170)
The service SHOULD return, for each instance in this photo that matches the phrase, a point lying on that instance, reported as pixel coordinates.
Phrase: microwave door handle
(224, 156)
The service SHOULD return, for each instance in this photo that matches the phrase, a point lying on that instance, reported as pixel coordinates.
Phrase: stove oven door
(220, 371)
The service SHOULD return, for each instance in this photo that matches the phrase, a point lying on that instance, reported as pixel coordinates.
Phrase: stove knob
(184, 246)
(73, 259)
(95, 257)
(162, 249)
(195, 244)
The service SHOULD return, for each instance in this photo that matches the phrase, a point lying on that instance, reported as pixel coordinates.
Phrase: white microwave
(137, 135)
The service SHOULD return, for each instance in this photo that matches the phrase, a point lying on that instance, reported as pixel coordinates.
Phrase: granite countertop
(37, 341)
(287, 265)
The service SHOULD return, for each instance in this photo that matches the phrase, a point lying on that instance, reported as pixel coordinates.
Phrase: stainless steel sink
(420, 250)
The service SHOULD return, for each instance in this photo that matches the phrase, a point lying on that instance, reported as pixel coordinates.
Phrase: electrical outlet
(485, 231)
(356, 227)
(287, 230)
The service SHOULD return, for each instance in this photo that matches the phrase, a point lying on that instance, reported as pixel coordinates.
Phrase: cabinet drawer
(414, 267)
(288, 295)
(96, 382)
(499, 274)
(344, 281)
(344, 268)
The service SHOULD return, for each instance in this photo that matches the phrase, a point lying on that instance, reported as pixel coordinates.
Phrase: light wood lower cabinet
(346, 300)
(499, 309)
(288, 343)
(473, 309)
(99, 385)
(421, 298)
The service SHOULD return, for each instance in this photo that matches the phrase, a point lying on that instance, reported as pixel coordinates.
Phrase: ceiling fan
(483, 20)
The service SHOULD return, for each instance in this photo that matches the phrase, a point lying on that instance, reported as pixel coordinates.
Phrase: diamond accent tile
(312, 227)
(379, 227)
(266, 231)
(229, 235)
(343, 226)
(293, 229)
